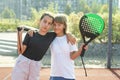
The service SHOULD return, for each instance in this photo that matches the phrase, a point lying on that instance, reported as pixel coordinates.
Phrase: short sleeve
(26, 39)
(73, 47)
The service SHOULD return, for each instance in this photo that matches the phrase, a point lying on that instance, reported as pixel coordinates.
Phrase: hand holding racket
(90, 26)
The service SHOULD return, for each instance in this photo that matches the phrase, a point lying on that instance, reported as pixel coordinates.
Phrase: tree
(104, 9)
(8, 13)
(67, 9)
(116, 28)
(74, 24)
(52, 7)
(82, 6)
(95, 7)
(34, 14)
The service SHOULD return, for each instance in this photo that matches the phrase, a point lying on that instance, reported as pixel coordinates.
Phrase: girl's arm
(71, 38)
(21, 47)
(75, 54)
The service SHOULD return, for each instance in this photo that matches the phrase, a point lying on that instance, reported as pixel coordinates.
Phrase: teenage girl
(32, 50)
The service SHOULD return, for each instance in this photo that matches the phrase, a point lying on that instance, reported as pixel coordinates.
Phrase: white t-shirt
(61, 64)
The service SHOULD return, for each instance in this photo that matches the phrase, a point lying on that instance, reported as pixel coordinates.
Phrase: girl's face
(58, 28)
(45, 23)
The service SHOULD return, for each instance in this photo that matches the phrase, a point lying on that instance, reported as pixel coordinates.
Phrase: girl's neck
(42, 33)
(60, 34)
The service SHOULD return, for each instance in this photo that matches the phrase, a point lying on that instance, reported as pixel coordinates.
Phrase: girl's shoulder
(51, 33)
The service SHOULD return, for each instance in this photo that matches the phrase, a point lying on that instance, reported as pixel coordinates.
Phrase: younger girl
(62, 53)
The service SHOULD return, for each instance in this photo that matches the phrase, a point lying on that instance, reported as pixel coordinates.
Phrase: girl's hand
(85, 47)
(30, 32)
(71, 38)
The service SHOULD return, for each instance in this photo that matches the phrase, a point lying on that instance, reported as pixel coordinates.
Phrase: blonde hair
(61, 18)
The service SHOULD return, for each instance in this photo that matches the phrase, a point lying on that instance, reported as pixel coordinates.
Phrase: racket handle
(25, 29)
(83, 51)
(84, 67)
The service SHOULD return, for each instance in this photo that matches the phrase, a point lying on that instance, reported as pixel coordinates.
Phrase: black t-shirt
(37, 45)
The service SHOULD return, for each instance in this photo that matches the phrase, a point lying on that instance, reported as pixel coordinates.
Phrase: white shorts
(26, 69)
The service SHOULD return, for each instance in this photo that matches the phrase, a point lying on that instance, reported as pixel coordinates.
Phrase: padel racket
(90, 26)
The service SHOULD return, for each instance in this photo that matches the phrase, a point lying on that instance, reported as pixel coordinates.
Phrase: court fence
(95, 57)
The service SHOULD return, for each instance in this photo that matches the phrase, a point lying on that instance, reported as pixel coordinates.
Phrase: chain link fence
(95, 57)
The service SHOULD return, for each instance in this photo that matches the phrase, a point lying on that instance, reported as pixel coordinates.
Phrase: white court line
(3, 50)
(6, 46)
(14, 43)
(6, 78)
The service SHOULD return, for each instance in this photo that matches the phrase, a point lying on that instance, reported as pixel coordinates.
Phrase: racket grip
(83, 51)
(19, 28)
(25, 29)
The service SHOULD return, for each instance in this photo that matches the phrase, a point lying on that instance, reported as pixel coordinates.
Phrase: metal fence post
(109, 54)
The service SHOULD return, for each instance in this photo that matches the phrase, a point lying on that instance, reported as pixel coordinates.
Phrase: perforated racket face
(91, 25)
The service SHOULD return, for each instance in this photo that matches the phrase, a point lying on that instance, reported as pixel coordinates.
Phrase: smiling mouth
(45, 28)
